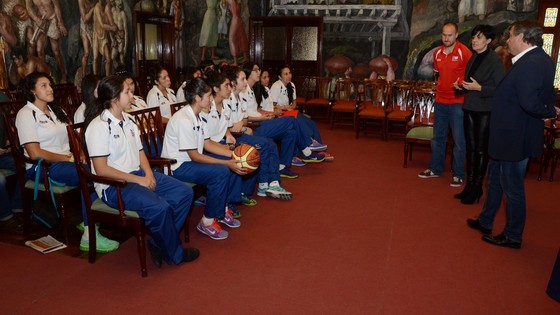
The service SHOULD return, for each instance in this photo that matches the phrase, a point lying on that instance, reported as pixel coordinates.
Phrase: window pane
(304, 43)
(547, 43)
(550, 17)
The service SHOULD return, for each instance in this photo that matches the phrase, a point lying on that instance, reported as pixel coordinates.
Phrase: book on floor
(45, 244)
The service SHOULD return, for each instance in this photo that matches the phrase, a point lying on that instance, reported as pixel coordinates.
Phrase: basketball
(247, 157)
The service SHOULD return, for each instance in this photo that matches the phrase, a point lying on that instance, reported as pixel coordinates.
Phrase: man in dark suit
(522, 99)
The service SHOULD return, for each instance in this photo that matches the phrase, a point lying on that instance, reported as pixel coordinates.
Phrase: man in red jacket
(450, 61)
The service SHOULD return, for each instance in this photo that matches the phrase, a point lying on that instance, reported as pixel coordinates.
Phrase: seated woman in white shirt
(180, 95)
(136, 102)
(41, 128)
(161, 94)
(89, 95)
(114, 146)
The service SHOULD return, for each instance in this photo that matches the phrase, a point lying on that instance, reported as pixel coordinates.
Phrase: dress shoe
(190, 254)
(501, 240)
(475, 224)
(155, 254)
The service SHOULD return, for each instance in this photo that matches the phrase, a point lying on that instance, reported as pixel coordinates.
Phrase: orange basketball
(247, 157)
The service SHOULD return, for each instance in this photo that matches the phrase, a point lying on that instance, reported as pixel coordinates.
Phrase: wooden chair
(150, 124)
(373, 109)
(65, 196)
(98, 211)
(551, 148)
(68, 98)
(318, 93)
(399, 109)
(346, 105)
(177, 106)
(420, 128)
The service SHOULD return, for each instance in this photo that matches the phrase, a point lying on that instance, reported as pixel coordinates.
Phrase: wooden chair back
(67, 97)
(97, 210)
(177, 106)
(150, 124)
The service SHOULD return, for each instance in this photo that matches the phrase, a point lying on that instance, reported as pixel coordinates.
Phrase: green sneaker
(248, 201)
(104, 245)
(81, 227)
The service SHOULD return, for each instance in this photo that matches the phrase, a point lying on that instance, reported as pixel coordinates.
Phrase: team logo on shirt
(116, 136)
(454, 58)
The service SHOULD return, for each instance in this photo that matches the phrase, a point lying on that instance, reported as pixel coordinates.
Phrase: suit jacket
(522, 99)
(488, 74)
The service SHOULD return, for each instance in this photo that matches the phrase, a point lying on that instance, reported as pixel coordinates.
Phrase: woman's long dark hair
(109, 89)
(89, 84)
(260, 90)
(194, 87)
(215, 80)
(29, 86)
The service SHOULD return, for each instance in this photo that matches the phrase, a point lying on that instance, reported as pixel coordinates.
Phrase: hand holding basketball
(247, 157)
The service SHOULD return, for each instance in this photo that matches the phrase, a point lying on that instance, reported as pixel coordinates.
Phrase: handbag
(44, 212)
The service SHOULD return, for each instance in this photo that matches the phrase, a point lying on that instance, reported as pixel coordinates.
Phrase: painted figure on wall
(119, 38)
(8, 39)
(209, 31)
(48, 19)
(470, 7)
(24, 64)
(101, 43)
(522, 5)
(238, 42)
(223, 21)
(176, 10)
(26, 29)
(86, 30)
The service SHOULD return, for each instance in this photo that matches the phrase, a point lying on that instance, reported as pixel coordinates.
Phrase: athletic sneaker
(314, 157)
(296, 161)
(229, 220)
(327, 155)
(248, 201)
(277, 192)
(456, 181)
(287, 173)
(102, 244)
(236, 214)
(317, 146)
(427, 174)
(214, 230)
(201, 201)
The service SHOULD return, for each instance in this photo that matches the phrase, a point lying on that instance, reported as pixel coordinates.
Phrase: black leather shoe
(475, 224)
(190, 254)
(155, 254)
(501, 240)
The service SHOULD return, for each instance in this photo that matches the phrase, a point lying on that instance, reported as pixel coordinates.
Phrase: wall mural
(71, 38)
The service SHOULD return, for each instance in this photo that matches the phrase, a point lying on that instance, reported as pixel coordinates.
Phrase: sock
(275, 183)
(85, 236)
(306, 151)
(281, 167)
(207, 221)
(263, 185)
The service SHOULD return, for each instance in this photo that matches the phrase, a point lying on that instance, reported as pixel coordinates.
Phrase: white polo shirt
(118, 140)
(238, 108)
(156, 98)
(79, 113)
(218, 122)
(279, 93)
(266, 103)
(251, 101)
(184, 131)
(180, 95)
(138, 104)
(34, 126)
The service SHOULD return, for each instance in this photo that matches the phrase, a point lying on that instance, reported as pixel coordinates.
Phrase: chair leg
(553, 167)
(405, 162)
(63, 220)
(187, 224)
(141, 244)
(92, 253)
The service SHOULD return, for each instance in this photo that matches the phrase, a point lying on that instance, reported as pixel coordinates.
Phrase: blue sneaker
(278, 192)
(214, 230)
(317, 146)
(248, 201)
(235, 213)
(314, 157)
(286, 173)
(296, 161)
(201, 201)
(229, 220)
